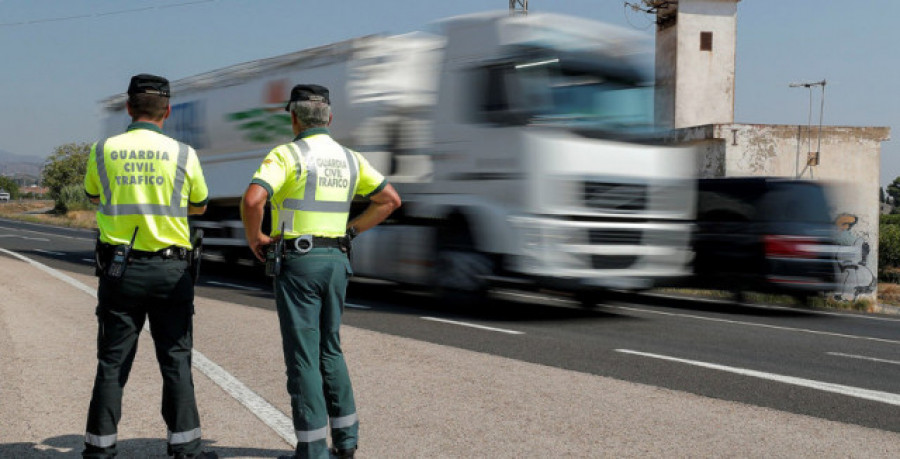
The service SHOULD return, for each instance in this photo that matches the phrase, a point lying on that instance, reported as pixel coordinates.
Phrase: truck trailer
(523, 148)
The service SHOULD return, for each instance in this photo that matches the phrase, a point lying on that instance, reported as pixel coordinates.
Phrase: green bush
(890, 219)
(72, 197)
(888, 251)
(7, 184)
(65, 167)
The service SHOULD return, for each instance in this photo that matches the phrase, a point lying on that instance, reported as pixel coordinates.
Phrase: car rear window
(795, 202)
(722, 200)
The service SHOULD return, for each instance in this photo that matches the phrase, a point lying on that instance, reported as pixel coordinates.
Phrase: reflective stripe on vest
(309, 203)
(173, 209)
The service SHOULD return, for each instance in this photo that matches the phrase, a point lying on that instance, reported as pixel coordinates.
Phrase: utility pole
(812, 157)
(518, 7)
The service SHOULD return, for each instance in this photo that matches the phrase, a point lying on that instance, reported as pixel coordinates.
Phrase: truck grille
(612, 261)
(615, 236)
(615, 197)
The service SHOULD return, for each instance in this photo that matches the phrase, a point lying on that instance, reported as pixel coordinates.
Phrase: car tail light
(778, 246)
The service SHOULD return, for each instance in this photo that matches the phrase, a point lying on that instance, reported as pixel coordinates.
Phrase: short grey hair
(311, 113)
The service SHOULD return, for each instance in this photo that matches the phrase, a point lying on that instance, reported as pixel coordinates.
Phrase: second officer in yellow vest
(310, 184)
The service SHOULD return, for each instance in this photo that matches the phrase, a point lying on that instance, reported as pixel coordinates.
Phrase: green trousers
(309, 296)
(161, 291)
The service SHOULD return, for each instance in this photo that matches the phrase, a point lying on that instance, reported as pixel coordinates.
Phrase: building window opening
(706, 41)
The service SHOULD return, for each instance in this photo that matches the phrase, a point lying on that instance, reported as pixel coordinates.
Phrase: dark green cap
(312, 92)
(148, 84)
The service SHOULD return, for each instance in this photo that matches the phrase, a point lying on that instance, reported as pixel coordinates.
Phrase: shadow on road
(499, 307)
(505, 306)
(72, 445)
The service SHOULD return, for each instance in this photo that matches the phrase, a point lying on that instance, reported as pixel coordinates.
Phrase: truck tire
(590, 299)
(461, 271)
(461, 276)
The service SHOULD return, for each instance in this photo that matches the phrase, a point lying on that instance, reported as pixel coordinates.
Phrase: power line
(104, 14)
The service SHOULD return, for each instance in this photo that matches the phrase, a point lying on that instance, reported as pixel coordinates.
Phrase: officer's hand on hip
(259, 244)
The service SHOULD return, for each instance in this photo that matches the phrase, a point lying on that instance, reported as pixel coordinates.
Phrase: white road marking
(52, 272)
(532, 296)
(49, 252)
(26, 237)
(89, 260)
(754, 324)
(862, 357)
(357, 306)
(466, 324)
(271, 416)
(227, 284)
(850, 391)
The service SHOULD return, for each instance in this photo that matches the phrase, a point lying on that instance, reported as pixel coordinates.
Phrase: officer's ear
(168, 111)
(128, 109)
(330, 117)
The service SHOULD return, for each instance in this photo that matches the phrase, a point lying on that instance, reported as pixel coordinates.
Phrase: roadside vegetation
(63, 175)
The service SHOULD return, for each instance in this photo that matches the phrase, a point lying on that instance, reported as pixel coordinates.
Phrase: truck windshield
(584, 95)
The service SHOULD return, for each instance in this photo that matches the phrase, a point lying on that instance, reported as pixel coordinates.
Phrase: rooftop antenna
(812, 158)
(517, 7)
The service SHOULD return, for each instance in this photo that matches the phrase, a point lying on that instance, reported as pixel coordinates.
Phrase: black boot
(343, 453)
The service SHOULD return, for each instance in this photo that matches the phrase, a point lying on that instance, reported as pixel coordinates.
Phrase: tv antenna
(518, 7)
(812, 158)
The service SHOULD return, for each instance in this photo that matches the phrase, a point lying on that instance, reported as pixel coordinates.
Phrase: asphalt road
(837, 366)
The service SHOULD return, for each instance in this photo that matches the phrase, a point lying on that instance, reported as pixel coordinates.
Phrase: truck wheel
(461, 276)
(590, 299)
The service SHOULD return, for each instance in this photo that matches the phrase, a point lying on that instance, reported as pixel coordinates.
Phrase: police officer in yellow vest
(310, 184)
(146, 184)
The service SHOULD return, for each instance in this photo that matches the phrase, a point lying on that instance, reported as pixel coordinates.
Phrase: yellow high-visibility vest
(311, 183)
(145, 180)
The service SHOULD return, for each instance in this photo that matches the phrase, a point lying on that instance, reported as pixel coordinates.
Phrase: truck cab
(546, 169)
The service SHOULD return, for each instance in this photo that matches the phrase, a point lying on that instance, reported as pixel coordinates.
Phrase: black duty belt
(169, 253)
(304, 244)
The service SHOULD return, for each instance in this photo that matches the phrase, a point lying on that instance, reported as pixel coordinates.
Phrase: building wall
(694, 86)
(849, 160)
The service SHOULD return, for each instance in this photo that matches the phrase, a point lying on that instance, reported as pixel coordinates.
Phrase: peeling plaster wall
(710, 150)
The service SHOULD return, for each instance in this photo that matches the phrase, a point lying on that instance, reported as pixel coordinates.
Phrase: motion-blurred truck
(523, 148)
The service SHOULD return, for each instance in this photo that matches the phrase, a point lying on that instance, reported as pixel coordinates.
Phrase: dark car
(764, 234)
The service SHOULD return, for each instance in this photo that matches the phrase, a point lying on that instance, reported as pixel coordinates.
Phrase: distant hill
(12, 164)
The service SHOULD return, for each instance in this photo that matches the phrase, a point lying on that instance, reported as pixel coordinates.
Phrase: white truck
(523, 148)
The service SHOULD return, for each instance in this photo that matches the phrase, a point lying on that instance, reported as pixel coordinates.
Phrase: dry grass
(889, 293)
(17, 207)
(42, 212)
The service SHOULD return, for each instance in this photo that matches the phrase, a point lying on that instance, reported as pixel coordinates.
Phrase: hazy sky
(60, 57)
